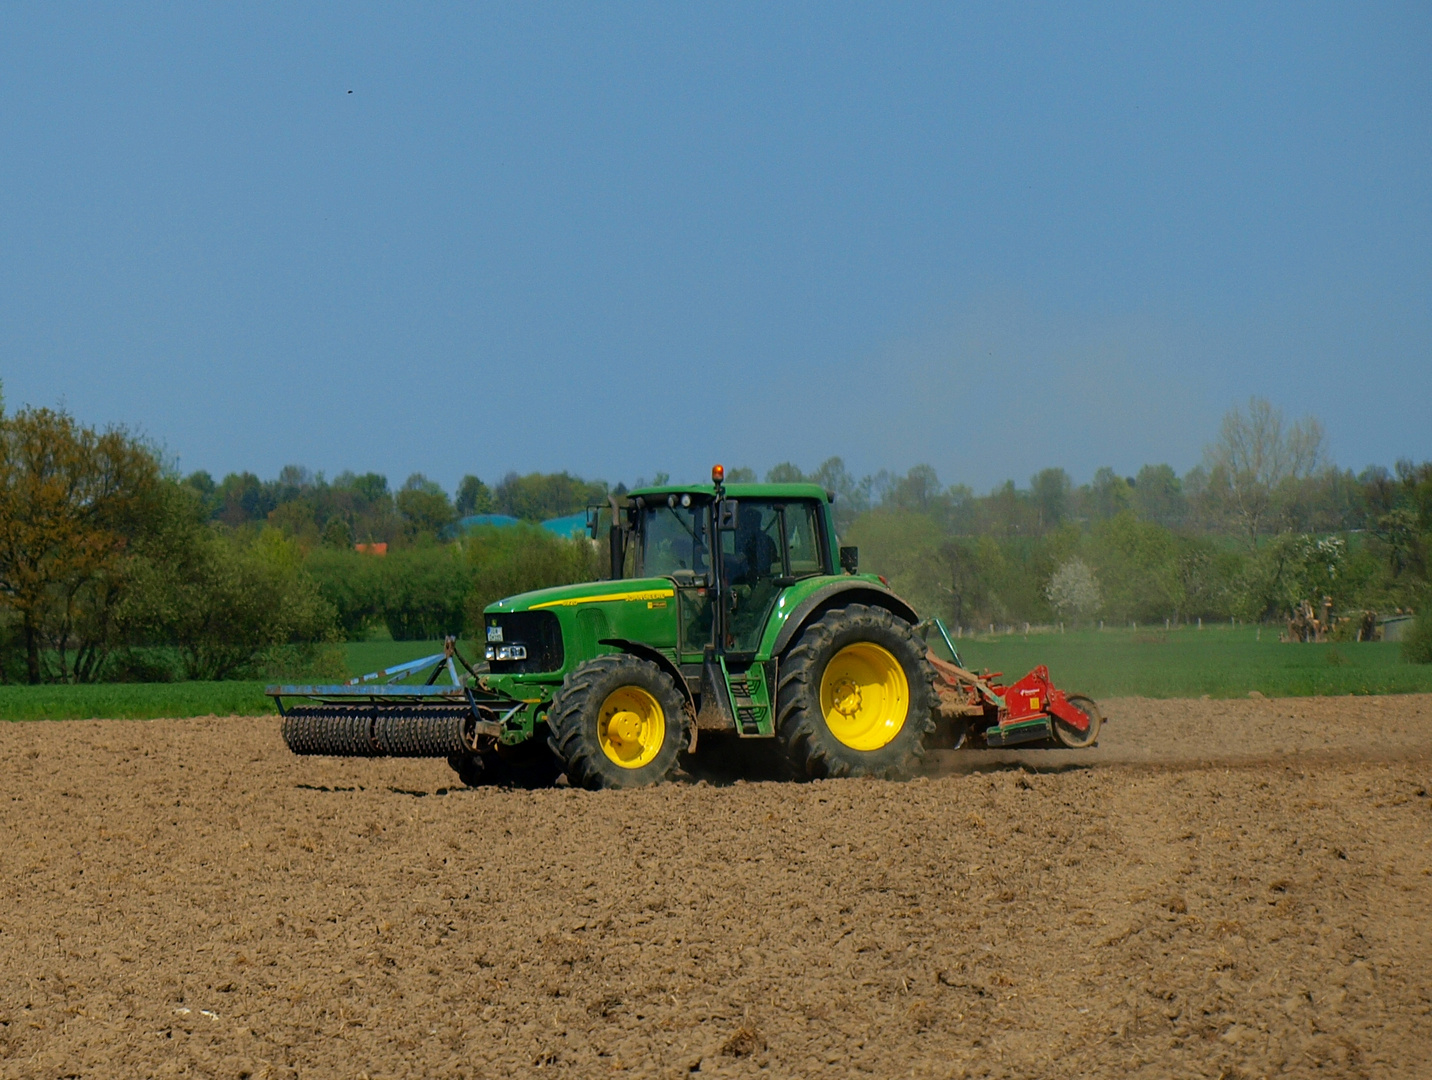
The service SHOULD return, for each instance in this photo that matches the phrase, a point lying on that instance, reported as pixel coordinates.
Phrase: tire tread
(568, 718)
(810, 751)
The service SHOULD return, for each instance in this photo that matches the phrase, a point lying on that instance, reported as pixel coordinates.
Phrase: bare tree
(1257, 458)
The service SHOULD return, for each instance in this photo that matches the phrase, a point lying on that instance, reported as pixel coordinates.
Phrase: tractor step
(736, 701)
(750, 700)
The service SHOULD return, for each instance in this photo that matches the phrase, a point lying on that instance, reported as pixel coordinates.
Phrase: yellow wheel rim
(631, 727)
(864, 696)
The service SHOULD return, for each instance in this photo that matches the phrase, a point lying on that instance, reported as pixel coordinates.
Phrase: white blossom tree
(1073, 590)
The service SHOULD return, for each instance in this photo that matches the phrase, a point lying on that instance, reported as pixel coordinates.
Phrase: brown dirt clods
(1220, 889)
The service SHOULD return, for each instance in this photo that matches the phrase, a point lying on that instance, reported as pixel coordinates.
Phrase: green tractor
(729, 612)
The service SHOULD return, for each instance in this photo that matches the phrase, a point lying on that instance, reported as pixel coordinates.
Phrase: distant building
(571, 525)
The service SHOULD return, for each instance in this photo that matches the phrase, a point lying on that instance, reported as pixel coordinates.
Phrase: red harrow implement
(1033, 710)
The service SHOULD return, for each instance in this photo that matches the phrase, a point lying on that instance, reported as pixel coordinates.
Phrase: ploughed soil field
(1220, 889)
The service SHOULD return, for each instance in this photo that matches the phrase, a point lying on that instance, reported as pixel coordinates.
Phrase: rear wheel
(1066, 734)
(618, 721)
(856, 696)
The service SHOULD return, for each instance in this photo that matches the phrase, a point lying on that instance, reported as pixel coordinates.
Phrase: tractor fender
(838, 594)
(657, 657)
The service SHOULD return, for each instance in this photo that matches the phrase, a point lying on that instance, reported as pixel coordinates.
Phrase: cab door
(753, 559)
(674, 543)
(773, 545)
(694, 614)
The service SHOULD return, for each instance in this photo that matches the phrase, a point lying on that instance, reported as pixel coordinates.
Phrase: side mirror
(728, 515)
(594, 514)
(850, 559)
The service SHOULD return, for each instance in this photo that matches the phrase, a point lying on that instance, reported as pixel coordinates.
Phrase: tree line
(1263, 523)
(353, 508)
(113, 566)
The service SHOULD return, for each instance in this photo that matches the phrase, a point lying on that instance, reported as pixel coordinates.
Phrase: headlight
(505, 652)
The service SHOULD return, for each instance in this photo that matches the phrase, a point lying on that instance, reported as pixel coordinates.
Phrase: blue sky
(617, 239)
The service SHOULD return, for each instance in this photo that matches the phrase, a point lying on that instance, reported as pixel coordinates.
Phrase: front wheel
(618, 721)
(856, 696)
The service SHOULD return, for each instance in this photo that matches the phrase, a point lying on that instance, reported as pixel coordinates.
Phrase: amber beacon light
(718, 474)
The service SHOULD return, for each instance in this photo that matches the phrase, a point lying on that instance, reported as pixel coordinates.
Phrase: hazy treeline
(1262, 524)
(354, 508)
(113, 567)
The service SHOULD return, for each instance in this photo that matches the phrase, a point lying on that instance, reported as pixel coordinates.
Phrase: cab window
(673, 538)
(771, 540)
(802, 529)
(753, 551)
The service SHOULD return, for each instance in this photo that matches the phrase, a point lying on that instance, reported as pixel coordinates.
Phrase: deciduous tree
(473, 497)
(424, 507)
(70, 500)
(1257, 456)
(227, 601)
(1073, 590)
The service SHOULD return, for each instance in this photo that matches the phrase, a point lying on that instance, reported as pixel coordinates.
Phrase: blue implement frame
(384, 686)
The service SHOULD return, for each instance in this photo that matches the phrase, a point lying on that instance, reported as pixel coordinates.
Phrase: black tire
(530, 764)
(810, 747)
(1072, 738)
(576, 719)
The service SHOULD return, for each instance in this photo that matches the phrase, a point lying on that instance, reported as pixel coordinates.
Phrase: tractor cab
(729, 552)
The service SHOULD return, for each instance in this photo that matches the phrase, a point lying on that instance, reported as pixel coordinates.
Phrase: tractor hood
(640, 590)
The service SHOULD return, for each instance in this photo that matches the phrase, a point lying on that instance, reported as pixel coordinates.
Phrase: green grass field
(132, 701)
(1221, 662)
(149, 701)
(1114, 663)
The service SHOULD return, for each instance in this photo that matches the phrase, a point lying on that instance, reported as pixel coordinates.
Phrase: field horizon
(1181, 662)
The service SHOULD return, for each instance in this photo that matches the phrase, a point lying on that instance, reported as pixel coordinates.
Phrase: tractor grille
(538, 631)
